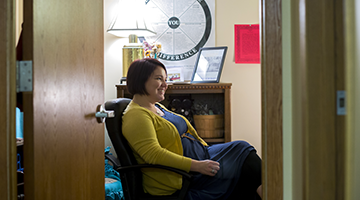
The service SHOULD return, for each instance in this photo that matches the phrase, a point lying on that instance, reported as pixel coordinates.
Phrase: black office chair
(126, 165)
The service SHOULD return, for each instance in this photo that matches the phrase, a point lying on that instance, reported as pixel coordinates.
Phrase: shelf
(214, 140)
(222, 89)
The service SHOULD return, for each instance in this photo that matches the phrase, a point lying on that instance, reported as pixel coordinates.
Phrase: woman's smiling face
(156, 85)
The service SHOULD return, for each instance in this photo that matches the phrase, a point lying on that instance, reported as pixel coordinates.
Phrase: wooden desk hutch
(198, 90)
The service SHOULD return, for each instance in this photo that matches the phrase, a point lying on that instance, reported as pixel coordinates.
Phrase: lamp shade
(130, 20)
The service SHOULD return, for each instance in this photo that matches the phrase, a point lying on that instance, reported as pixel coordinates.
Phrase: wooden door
(7, 101)
(63, 144)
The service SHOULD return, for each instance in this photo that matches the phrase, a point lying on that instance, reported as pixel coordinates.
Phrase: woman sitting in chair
(158, 136)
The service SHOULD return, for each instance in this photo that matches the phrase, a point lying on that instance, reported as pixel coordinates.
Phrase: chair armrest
(119, 168)
(113, 160)
(133, 167)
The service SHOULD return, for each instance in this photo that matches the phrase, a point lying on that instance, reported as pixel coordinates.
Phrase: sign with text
(247, 43)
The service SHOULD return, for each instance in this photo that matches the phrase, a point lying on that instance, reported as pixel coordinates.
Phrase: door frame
(271, 94)
(8, 182)
(352, 160)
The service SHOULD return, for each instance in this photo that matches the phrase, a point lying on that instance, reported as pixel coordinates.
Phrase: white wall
(246, 90)
(19, 18)
(245, 78)
(112, 55)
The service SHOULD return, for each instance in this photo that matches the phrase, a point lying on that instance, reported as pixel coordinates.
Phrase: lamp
(130, 22)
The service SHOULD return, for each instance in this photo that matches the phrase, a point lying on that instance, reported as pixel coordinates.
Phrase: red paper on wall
(247, 43)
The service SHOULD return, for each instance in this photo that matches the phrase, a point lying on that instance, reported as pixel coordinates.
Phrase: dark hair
(139, 72)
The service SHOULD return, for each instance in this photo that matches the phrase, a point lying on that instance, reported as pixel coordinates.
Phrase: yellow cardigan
(155, 140)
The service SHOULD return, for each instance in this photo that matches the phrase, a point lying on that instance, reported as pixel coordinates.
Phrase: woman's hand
(206, 167)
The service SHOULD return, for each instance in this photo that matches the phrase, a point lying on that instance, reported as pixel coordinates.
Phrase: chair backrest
(131, 180)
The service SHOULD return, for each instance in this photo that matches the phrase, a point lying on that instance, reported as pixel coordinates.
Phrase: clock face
(182, 27)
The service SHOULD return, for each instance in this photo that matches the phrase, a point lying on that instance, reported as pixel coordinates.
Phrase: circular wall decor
(182, 27)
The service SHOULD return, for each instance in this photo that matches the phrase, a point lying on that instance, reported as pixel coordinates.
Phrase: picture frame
(209, 64)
